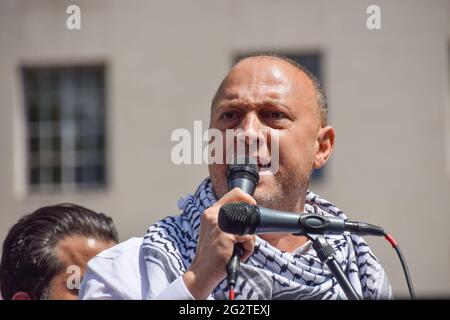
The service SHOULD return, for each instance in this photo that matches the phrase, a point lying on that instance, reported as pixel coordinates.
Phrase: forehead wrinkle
(255, 92)
(262, 103)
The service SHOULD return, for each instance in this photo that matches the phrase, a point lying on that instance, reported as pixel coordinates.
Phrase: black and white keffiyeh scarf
(169, 249)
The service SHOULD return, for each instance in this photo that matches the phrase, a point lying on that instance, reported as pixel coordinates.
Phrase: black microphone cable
(395, 245)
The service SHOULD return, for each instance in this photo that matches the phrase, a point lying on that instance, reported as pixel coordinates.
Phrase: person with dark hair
(45, 253)
(264, 97)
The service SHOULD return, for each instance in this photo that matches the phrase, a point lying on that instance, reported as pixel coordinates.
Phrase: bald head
(303, 78)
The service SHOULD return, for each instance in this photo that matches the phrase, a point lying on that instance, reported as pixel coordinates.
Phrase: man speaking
(185, 256)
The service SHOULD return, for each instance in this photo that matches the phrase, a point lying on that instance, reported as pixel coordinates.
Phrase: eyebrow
(236, 103)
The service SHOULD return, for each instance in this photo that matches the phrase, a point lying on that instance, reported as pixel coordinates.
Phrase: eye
(229, 115)
(274, 115)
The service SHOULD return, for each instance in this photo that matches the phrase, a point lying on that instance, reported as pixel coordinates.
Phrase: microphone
(242, 218)
(243, 174)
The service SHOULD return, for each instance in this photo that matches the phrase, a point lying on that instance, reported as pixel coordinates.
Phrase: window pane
(65, 115)
(34, 176)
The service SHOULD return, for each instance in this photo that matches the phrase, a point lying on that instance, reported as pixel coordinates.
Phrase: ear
(21, 296)
(324, 146)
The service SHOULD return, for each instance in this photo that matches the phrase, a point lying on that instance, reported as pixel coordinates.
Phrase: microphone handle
(244, 184)
(234, 266)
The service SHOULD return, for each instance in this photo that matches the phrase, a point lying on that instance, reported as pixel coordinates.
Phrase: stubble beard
(287, 191)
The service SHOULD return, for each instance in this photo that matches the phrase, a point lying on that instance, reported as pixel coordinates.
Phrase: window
(65, 114)
(312, 62)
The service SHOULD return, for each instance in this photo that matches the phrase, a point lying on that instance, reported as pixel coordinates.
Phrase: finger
(236, 195)
(248, 244)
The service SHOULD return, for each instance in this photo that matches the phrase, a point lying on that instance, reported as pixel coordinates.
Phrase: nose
(251, 128)
(251, 136)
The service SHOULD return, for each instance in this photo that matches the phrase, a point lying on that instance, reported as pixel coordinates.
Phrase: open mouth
(264, 166)
(264, 163)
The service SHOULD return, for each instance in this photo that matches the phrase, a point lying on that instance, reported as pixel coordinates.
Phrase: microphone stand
(327, 255)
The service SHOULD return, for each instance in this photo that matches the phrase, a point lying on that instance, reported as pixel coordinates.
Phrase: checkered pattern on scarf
(169, 248)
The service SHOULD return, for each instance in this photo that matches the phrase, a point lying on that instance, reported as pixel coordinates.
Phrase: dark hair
(321, 97)
(29, 261)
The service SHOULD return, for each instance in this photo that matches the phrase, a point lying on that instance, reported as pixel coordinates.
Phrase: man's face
(266, 94)
(73, 252)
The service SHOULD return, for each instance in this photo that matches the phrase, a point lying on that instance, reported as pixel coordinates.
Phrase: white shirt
(119, 273)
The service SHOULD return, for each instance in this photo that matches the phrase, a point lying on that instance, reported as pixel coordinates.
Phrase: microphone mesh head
(244, 167)
(238, 218)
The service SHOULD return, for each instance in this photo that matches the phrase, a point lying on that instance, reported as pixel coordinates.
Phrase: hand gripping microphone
(243, 174)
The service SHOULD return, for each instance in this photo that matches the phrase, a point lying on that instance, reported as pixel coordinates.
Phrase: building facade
(86, 115)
